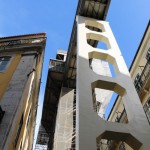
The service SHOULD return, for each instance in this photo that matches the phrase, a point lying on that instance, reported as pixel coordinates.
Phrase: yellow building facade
(21, 59)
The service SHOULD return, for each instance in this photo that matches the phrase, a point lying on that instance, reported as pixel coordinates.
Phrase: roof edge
(24, 35)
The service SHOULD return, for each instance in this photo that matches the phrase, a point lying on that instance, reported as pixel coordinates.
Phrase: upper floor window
(148, 55)
(1, 114)
(4, 62)
(138, 82)
(147, 109)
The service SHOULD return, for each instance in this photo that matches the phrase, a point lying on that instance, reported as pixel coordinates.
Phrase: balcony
(57, 66)
(147, 109)
(141, 82)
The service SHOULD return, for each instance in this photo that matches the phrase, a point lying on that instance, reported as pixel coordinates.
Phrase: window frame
(9, 62)
(146, 108)
(148, 54)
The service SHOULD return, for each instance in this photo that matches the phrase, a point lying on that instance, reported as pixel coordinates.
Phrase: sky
(128, 20)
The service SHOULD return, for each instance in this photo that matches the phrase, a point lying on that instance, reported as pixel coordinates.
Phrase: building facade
(21, 59)
(79, 89)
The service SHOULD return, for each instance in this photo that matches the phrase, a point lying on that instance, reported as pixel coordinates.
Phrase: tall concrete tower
(90, 127)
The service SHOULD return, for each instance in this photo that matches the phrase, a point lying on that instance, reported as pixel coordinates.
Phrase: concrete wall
(6, 75)
(90, 127)
(64, 121)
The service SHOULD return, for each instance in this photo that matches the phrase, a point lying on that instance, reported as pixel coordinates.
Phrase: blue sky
(128, 19)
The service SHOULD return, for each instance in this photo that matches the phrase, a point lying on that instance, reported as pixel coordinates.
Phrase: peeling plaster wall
(13, 98)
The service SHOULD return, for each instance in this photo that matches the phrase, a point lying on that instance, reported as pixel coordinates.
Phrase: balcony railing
(147, 110)
(57, 65)
(139, 84)
(121, 116)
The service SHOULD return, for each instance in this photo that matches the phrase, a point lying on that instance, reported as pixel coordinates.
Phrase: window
(1, 114)
(148, 55)
(138, 82)
(60, 57)
(19, 130)
(147, 109)
(136, 79)
(4, 62)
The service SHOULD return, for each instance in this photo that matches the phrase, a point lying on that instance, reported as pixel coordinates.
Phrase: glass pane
(147, 109)
(3, 62)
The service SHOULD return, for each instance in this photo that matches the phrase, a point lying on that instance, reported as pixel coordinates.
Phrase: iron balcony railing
(140, 82)
(57, 65)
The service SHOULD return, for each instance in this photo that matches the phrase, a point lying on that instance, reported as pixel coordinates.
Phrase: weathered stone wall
(13, 99)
